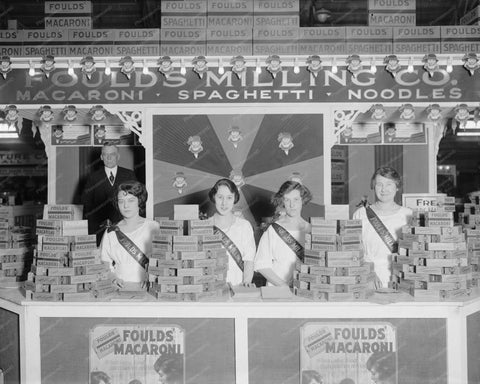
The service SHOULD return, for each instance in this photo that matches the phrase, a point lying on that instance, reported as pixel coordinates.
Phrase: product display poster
(146, 353)
(132, 350)
(347, 351)
(350, 352)
(258, 152)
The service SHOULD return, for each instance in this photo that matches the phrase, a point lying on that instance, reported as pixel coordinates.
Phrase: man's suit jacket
(98, 196)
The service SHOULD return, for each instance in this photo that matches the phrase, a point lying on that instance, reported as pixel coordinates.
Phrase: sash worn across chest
(292, 243)
(130, 247)
(382, 230)
(230, 247)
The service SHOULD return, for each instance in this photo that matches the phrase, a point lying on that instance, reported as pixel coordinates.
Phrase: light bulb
(70, 68)
(296, 68)
(410, 65)
(450, 65)
(108, 70)
(373, 67)
(221, 70)
(258, 68)
(31, 71)
(145, 67)
(334, 65)
(183, 70)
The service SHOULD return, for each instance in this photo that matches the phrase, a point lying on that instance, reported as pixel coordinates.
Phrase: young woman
(127, 245)
(282, 243)
(237, 233)
(170, 369)
(383, 367)
(382, 222)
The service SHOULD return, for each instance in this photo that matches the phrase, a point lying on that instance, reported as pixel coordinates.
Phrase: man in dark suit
(99, 191)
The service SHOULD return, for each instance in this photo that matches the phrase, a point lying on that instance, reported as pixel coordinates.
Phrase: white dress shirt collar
(113, 170)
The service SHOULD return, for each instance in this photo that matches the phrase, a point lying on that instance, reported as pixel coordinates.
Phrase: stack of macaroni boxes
(333, 268)
(15, 252)
(470, 219)
(432, 261)
(21, 215)
(473, 252)
(188, 267)
(66, 264)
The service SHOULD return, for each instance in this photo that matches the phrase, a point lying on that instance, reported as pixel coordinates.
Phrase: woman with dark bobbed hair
(283, 241)
(237, 233)
(127, 245)
(170, 369)
(383, 367)
(382, 222)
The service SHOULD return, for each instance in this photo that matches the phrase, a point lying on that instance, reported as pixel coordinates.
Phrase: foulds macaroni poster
(137, 353)
(348, 352)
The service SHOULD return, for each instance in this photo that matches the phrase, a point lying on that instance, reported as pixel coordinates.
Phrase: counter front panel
(199, 350)
(342, 350)
(9, 347)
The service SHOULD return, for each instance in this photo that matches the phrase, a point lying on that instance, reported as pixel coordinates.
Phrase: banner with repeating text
(253, 87)
(351, 352)
(123, 353)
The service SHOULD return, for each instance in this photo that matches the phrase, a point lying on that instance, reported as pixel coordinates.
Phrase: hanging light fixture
(322, 15)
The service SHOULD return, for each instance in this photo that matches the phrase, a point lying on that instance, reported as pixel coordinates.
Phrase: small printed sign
(361, 133)
(70, 134)
(404, 133)
(117, 134)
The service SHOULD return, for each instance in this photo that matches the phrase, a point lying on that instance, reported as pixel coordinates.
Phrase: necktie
(111, 178)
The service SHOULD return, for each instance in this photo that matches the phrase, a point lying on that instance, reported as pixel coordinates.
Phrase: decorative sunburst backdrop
(191, 152)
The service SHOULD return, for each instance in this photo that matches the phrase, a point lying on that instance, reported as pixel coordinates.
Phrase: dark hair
(385, 363)
(290, 186)
(389, 173)
(347, 380)
(97, 376)
(109, 144)
(172, 366)
(309, 375)
(136, 189)
(227, 183)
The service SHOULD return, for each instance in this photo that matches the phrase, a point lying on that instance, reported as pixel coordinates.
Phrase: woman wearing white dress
(237, 233)
(378, 247)
(127, 245)
(282, 243)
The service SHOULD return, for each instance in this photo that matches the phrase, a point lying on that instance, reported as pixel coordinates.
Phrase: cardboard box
(185, 212)
(369, 40)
